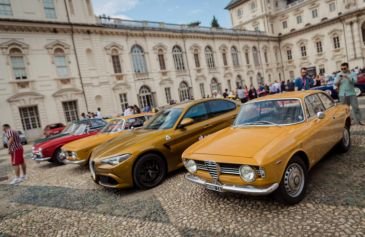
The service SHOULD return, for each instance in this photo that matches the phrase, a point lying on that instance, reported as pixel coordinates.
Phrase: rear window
(218, 107)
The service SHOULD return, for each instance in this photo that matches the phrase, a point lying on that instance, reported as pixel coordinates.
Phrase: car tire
(57, 159)
(357, 91)
(345, 143)
(293, 184)
(149, 171)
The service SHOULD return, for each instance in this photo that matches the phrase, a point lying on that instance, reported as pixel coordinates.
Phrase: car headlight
(115, 160)
(191, 166)
(73, 155)
(40, 152)
(247, 173)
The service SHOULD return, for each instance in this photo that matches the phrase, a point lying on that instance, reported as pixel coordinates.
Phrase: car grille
(223, 168)
(213, 169)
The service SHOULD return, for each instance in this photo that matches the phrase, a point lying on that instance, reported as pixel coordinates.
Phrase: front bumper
(76, 162)
(249, 190)
(39, 158)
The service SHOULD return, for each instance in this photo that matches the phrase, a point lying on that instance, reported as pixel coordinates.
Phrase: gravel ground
(63, 201)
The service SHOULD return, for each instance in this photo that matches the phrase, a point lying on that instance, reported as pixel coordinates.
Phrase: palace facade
(57, 59)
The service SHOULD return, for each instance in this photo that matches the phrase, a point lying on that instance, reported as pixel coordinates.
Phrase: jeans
(353, 102)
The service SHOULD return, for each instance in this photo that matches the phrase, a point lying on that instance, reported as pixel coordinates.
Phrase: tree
(215, 23)
(194, 23)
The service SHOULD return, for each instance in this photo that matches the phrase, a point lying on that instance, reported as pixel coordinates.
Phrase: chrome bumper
(40, 159)
(75, 162)
(250, 190)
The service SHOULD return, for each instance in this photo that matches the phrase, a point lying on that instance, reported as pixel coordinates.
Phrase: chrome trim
(250, 190)
(40, 159)
(75, 162)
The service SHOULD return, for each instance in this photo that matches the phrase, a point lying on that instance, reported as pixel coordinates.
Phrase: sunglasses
(344, 68)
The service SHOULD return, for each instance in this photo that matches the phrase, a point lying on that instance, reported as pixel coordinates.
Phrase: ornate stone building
(57, 59)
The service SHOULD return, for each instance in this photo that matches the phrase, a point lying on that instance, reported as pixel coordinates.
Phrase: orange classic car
(143, 157)
(270, 148)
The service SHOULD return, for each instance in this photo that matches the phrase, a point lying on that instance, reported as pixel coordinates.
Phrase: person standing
(241, 94)
(129, 111)
(304, 82)
(98, 114)
(252, 93)
(225, 93)
(345, 82)
(136, 109)
(16, 152)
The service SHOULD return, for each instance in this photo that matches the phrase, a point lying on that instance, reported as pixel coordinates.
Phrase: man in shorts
(16, 152)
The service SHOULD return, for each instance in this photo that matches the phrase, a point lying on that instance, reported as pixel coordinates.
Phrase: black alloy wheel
(149, 171)
(345, 143)
(58, 158)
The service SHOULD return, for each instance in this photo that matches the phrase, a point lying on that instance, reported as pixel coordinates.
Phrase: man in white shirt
(98, 114)
(128, 111)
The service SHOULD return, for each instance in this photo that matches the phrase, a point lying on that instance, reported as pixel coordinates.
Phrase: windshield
(165, 119)
(270, 112)
(70, 128)
(81, 129)
(116, 125)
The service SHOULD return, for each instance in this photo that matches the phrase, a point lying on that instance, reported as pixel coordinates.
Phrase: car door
(336, 118)
(221, 115)
(182, 138)
(318, 131)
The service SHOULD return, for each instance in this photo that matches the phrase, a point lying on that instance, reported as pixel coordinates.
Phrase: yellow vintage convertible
(143, 157)
(78, 152)
(273, 143)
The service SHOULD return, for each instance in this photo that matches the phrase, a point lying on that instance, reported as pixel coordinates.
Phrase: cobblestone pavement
(63, 201)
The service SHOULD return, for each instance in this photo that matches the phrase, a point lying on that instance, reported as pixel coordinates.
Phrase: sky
(168, 11)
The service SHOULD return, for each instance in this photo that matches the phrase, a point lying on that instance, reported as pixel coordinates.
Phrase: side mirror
(321, 115)
(186, 122)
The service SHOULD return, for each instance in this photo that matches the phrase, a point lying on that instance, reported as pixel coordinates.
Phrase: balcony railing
(161, 26)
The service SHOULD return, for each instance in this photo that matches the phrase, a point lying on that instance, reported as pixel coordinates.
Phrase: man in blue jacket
(304, 82)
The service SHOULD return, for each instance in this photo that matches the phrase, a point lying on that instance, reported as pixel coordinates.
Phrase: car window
(218, 107)
(198, 113)
(314, 105)
(97, 123)
(326, 100)
(134, 122)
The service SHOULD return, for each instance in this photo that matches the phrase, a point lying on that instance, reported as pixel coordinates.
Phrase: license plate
(214, 187)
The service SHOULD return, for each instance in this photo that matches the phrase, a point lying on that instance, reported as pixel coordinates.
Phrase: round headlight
(247, 173)
(190, 165)
(73, 155)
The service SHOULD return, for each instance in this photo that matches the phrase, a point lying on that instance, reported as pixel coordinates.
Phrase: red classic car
(53, 129)
(51, 150)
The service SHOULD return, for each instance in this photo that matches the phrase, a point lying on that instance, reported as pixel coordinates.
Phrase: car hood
(42, 140)
(239, 142)
(89, 142)
(126, 143)
(60, 141)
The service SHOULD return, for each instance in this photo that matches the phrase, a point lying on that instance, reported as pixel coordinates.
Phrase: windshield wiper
(266, 122)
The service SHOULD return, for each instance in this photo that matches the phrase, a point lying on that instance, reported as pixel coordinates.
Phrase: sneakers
(361, 123)
(15, 181)
(24, 177)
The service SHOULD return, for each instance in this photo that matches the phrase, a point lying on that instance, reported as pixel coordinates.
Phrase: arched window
(215, 86)
(184, 91)
(161, 60)
(209, 57)
(116, 61)
(336, 41)
(265, 57)
(177, 54)
(303, 50)
(18, 64)
(319, 46)
(224, 57)
(247, 57)
(196, 58)
(255, 54)
(139, 62)
(235, 59)
(239, 81)
(145, 97)
(60, 62)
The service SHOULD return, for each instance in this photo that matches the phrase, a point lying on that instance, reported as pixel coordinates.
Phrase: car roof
(186, 104)
(289, 95)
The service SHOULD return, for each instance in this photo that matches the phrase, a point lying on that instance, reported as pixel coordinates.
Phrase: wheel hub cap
(294, 180)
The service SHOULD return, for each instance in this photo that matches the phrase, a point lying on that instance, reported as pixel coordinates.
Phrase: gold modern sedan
(143, 157)
(274, 142)
(78, 152)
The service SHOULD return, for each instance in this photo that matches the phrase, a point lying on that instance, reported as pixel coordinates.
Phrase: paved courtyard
(63, 201)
